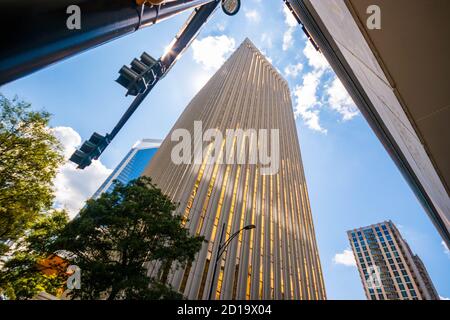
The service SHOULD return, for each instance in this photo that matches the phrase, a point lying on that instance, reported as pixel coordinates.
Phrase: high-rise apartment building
(388, 268)
(131, 166)
(279, 258)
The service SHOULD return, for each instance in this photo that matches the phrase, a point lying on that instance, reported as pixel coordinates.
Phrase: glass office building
(388, 268)
(132, 165)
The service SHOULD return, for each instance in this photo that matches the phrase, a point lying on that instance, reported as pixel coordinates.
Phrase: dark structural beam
(35, 33)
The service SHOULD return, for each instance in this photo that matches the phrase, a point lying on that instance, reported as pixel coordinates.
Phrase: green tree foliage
(29, 159)
(117, 234)
(29, 270)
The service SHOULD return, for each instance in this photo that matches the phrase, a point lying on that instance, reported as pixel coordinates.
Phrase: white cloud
(446, 249)
(292, 70)
(443, 298)
(252, 15)
(306, 101)
(345, 258)
(68, 138)
(309, 101)
(289, 18)
(73, 186)
(212, 51)
(315, 58)
(340, 101)
(221, 26)
(266, 40)
(200, 79)
(288, 39)
(291, 23)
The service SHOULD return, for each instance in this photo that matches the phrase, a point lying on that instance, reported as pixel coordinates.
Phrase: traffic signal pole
(93, 148)
(181, 43)
(36, 34)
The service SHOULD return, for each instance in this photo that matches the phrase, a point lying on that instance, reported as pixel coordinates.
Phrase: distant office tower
(279, 258)
(132, 166)
(388, 268)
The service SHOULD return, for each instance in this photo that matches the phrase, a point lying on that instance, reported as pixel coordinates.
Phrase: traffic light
(90, 150)
(139, 75)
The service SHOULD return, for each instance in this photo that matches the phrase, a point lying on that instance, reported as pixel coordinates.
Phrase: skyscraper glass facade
(131, 166)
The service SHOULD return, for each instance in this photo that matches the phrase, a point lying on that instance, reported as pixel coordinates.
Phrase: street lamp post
(221, 249)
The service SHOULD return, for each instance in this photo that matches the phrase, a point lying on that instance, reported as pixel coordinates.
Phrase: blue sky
(352, 181)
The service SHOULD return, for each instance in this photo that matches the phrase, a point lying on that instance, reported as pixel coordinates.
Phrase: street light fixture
(221, 249)
(231, 7)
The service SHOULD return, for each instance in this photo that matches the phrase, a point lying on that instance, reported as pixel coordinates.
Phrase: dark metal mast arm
(35, 32)
(95, 146)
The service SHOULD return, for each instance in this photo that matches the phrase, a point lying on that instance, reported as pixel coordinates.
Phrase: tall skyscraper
(131, 166)
(388, 268)
(279, 258)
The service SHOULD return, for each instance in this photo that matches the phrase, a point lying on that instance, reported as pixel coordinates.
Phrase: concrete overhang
(399, 77)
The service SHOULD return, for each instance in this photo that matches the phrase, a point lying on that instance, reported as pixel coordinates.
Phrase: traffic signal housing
(90, 150)
(139, 75)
